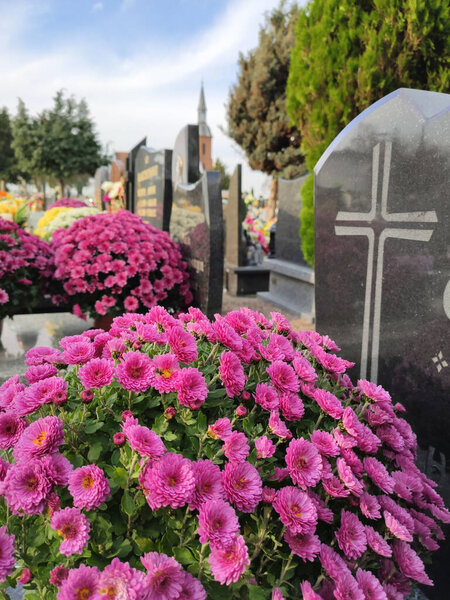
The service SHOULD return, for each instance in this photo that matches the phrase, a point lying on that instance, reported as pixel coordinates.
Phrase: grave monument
(153, 186)
(129, 175)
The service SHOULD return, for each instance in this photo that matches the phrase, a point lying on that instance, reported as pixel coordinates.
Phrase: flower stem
(201, 560)
(285, 569)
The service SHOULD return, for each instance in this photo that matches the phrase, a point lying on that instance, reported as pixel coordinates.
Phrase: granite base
(246, 280)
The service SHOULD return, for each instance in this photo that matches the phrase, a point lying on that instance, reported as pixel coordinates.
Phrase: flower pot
(103, 322)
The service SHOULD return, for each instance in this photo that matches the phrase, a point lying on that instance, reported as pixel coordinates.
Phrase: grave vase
(103, 322)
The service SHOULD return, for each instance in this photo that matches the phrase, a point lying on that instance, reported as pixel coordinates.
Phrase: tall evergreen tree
(350, 53)
(8, 170)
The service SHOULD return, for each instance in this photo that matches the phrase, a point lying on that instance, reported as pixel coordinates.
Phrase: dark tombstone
(382, 258)
(291, 282)
(129, 175)
(185, 158)
(240, 278)
(197, 224)
(101, 175)
(153, 186)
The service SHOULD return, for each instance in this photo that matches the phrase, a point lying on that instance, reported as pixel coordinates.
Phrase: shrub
(237, 450)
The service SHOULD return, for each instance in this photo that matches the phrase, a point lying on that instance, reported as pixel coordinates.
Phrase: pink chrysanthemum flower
(378, 474)
(347, 588)
(134, 372)
(351, 536)
(169, 482)
(370, 585)
(291, 406)
(328, 403)
(226, 335)
(410, 564)
(231, 373)
(192, 588)
(96, 373)
(373, 392)
(208, 483)
(79, 352)
(182, 344)
(88, 486)
(8, 392)
(278, 427)
(268, 494)
(192, 390)
(396, 528)
(41, 437)
(333, 564)
(369, 505)
(304, 369)
(58, 575)
(119, 581)
(277, 594)
(11, 428)
(221, 429)
(25, 576)
(243, 486)
(265, 448)
(7, 560)
(377, 542)
(165, 577)
(266, 396)
(52, 389)
(283, 377)
(39, 372)
(304, 463)
(305, 545)
(143, 440)
(42, 354)
(80, 584)
(333, 487)
(308, 592)
(296, 510)
(218, 523)
(348, 478)
(325, 443)
(58, 468)
(228, 564)
(165, 370)
(344, 439)
(236, 447)
(73, 527)
(26, 487)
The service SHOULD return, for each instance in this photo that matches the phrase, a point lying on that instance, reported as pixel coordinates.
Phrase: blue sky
(138, 63)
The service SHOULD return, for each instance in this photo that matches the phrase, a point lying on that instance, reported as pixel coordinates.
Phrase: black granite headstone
(129, 175)
(185, 158)
(382, 222)
(153, 186)
(101, 175)
(287, 236)
(197, 224)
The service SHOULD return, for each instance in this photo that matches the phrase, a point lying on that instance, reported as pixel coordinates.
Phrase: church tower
(204, 134)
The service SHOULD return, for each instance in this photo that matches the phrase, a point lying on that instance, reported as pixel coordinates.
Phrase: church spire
(203, 129)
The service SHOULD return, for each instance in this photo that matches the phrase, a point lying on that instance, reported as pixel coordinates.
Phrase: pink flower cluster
(69, 202)
(108, 263)
(26, 269)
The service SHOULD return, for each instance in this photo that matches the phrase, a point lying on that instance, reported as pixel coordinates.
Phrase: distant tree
(350, 53)
(256, 109)
(8, 166)
(24, 142)
(224, 175)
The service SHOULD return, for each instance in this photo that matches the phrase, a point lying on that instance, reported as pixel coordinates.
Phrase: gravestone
(129, 175)
(382, 222)
(101, 175)
(291, 282)
(240, 278)
(197, 224)
(185, 158)
(153, 186)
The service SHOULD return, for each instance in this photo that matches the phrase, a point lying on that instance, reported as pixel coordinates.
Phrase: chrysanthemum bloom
(265, 448)
(348, 478)
(266, 396)
(191, 388)
(231, 373)
(328, 403)
(370, 585)
(79, 352)
(52, 389)
(369, 505)
(332, 562)
(80, 584)
(88, 486)
(351, 536)
(228, 564)
(347, 588)
(39, 372)
(325, 443)
(8, 392)
(208, 483)
(283, 377)
(304, 463)
(58, 575)
(304, 369)
(268, 494)
(305, 545)
(143, 440)
(96, 373)
(182, 344)
(409, 562)
(165, 370)
(42, 354)
(7, 560)
(192, 588)
(236, 447)
(58, 468)
(26, 487)
(11, 428)
(333, 486)
(396, 528)
(278, 427)
(73, 527)
(373, 392)
(118, 581)
(165, 577)
(296, 510)
(377, 542)
(226, 335)
(4, 297)
(308, 592)
(169, 482)
(221, 429)
(218, 523)
(291, 406)
(243, 486)
(25, 576)
(344, 439)
(41, 437)
(134, 372)
(378, 474)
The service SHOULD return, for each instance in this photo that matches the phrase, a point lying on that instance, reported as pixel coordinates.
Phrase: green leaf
(127, 504)
(95, 451)
(120, 476)
(144, 544)
(93, 427)
(183, 556)
(124, 549)
(217, 393)
(257, 593)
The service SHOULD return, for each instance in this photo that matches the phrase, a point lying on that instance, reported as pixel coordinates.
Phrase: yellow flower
(44, 222)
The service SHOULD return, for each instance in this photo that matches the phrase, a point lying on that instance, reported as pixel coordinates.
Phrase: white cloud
(97, 7)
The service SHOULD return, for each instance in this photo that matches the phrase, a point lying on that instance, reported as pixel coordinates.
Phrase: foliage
(224, 174)
(349, 54)
(61, 219)
(108, 263)
(245, 452)
(26, 270)
(256, 111)
(8, 171)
